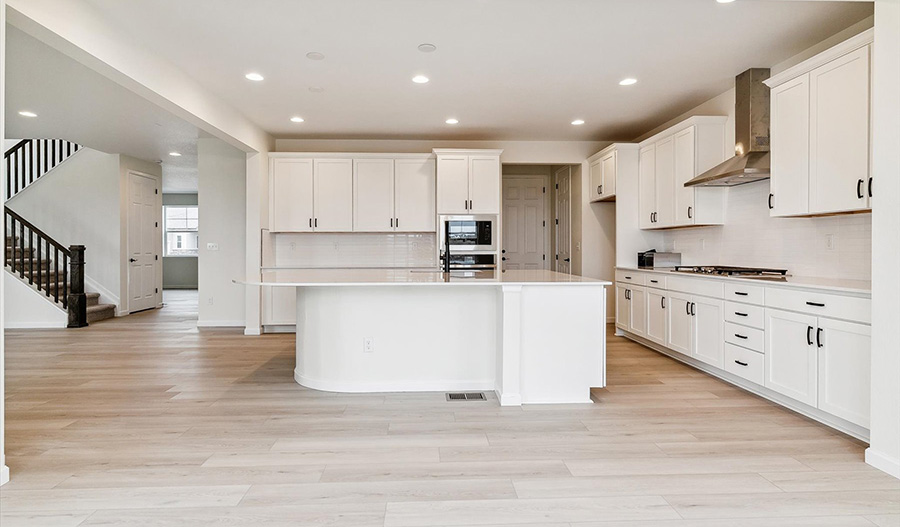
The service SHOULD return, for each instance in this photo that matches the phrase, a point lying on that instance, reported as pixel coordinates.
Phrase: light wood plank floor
(147, 421)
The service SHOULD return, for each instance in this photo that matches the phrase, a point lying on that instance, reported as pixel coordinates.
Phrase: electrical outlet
(293, 246)
(209, 301)
(212, 246)
(829, 242)
(368, 345)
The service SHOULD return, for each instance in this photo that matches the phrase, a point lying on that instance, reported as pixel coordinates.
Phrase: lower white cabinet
(708, 342)
(623, 308)
(656, 315)
(845, 361)
(791, 356)
(631, 309)
(681, 332)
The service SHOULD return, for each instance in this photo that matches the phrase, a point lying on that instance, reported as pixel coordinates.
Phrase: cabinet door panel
(608, 168)
(665, 183)
(373, 195)
(684, 171)
(333, 189)
(623, 308)
(845, 362)
(656, 316)
(638, 311)
(708, 335)
(680, 330)
(647, 170)
(789, 182)
(596, 180)
(414, 195)
(291, 191)
(839, 134)
(791, 358)
(484, 184)
(453, 184)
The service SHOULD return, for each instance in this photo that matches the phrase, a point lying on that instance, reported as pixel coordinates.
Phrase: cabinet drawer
(745, 314)
(630, 277)
(696, 286)
(750, 294)
(746, 337)
(657, 281)
(744, 363)
(821, 304)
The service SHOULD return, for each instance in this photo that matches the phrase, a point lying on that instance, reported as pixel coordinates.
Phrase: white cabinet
(845, 361)
(695, 327)
(373, 195)
(393, 195)
(680, 330)
(468, 182)
(670, 159)
(603, 174)
(623, 308)
(791, 357)
(820, 124)
(631, 309)
(291, 196)
(656, 315)
(333, 195)
(414, 195)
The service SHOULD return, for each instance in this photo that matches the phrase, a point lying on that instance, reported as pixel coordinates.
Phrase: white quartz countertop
(798, 282)
(395, 277)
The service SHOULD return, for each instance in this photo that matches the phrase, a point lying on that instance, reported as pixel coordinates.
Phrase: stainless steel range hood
(751, 122)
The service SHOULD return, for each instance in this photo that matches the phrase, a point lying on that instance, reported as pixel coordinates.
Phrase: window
(181, 236)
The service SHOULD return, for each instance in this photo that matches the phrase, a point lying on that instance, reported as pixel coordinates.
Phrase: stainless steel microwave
(469, 233)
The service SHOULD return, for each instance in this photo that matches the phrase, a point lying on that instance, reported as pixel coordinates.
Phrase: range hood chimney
(751, 121)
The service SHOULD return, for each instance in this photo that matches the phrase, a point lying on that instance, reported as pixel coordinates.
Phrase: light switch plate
(212, 246)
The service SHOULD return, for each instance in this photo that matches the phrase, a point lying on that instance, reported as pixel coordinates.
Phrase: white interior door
(143, 214)
(524, 223)
(564, 220)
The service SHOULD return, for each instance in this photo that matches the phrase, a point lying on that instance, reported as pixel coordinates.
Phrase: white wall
(4, 470)
(31, 311)
(884, 452)
(222, 198)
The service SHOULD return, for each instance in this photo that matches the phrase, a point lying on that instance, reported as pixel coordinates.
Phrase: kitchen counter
(530, 336)
(857, 287)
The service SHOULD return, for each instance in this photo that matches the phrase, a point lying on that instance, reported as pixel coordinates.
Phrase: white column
(511, 346)
(4, 470)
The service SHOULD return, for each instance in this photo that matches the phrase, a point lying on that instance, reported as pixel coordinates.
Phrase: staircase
(35, 258)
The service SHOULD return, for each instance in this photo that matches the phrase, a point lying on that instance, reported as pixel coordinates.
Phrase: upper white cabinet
(604, 171)
(820, 122)
(670, 159)
(468, 181)
(357, 193)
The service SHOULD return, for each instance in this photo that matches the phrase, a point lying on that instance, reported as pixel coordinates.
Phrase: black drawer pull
(741, 363)
(815, 304)
(628, 278)
(741, 293)
(738, 313)
(654, 281)
(743, 337)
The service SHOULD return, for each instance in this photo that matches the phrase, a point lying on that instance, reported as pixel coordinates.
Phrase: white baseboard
(220, 323)
(883, 462)
(252, 332)
(611, 320)
(4, 475)
(509, 399)
(106, 296)
(394, 386)
(277, 328)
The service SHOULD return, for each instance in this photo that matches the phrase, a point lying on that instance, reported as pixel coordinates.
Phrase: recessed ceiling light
(315, 55)
(296, 119)
(578, 122)
(452, 121)
(627, 82)
(427, 48)
(316, 89)
(420, 79)
(724, 1)
(175, 154)
(26, 113)
(254, 77)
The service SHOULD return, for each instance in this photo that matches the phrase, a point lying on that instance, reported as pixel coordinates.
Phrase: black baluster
(55, 259)
(31, 260)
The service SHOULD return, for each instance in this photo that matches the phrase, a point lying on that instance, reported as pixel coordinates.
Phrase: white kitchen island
(530, 336)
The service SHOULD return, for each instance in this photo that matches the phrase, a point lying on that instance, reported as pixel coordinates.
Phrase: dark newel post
(77, 300)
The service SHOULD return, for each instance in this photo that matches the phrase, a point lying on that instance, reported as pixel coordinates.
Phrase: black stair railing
(53, 269)
(30, 159)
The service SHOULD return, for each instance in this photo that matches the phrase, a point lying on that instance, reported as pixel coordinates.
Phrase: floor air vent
(466, 397)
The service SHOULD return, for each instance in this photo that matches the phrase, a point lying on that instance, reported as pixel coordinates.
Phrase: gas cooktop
(724, 270)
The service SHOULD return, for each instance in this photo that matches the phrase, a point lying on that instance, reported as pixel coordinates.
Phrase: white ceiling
(507, 69)
(78, 104)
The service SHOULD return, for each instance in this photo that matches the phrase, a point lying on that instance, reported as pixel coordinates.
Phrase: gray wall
(179, 272)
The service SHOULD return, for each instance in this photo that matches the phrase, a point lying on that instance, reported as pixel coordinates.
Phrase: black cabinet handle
(693, 309)
(628, 294)
(690, 212)
(738, 313)
(687, 308)
(310, 223)
(741, 293)
(809, 340)
(567, 259)
(859, 188)
(815, 304)
(392, 222)
(662, 301)
(397, 222)
(742, 337)
(770, 201)
(870, 187)
(819, 338)
(600, 189)
(503, 251)
(470, 205)
(132, 260)
(503, 258)
(741, 363)
(316, 223)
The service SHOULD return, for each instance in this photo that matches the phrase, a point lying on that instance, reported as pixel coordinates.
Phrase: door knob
(566, 259)
(132, 260)
(503, 259)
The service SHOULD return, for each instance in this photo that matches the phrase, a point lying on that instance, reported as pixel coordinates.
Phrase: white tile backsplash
(750, 237)
(354, 250)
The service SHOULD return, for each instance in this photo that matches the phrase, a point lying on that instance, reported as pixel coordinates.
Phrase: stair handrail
(42, 156)
(17, 146)
(73, 296)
